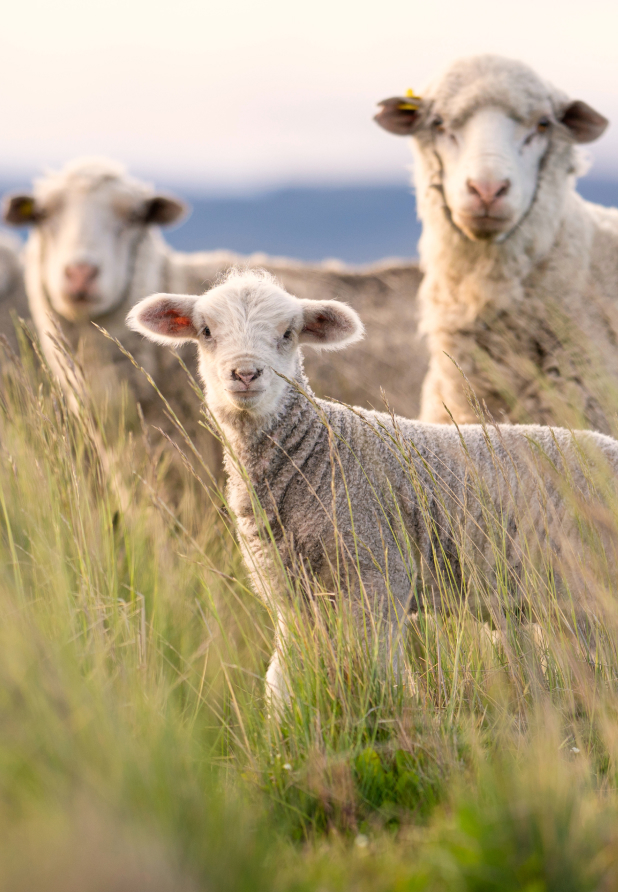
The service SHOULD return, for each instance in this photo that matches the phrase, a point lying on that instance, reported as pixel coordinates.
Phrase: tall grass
(136, 749)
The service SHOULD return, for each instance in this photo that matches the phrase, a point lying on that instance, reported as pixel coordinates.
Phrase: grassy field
(136, 751)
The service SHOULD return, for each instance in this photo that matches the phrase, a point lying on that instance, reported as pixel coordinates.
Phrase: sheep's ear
(165, 318)
(584, 123)
(400, 115)
(161, 210)
(330, 325)
(20, 210)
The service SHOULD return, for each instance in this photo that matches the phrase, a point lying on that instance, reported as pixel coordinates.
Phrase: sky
(239, 95)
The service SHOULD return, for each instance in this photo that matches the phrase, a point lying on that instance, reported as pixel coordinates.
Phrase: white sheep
(13, 300)
(521, 274)
(367, 501)
(95, 250)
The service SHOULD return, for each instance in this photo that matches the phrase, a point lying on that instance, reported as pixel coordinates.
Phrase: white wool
(505, 298)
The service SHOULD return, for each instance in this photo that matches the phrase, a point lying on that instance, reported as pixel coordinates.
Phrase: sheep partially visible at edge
(339, 487)
(13, 301)
(521, 274)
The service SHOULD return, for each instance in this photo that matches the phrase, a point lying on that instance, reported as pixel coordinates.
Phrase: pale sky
(237, 94)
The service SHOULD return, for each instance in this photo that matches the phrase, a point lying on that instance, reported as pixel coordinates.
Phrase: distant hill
(357, 224)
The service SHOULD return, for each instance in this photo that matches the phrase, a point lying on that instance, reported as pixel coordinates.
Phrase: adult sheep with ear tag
(521, 274)
(347, 500)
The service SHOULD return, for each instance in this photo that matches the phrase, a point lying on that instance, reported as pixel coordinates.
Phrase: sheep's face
(90, 230)
(490, 167)
(249, 332)
(482, 134)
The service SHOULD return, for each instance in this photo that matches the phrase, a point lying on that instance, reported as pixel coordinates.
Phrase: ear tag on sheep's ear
(26, 208)
(413, 104)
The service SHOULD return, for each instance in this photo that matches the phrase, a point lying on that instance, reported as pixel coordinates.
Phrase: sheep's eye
(206, 331)
(287, 335)
(543, 125)
(438, 124)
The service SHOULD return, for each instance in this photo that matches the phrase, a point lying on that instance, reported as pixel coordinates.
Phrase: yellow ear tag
(414, 105)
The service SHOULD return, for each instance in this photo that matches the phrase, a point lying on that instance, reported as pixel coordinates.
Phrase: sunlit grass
(136, 745)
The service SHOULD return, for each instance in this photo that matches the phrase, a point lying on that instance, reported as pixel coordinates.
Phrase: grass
(135, 747)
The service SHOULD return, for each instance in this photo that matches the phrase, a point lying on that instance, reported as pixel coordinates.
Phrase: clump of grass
(132, 710)
(120, 642)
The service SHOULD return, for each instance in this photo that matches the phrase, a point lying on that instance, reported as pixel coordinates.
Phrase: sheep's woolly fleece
(345, 490)
(532, 320)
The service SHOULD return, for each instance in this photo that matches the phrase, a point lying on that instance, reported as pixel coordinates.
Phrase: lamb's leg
(401, 667)
(396, 616)
(277, 690)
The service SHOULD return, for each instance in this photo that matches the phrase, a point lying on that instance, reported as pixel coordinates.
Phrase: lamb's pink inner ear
(179, 322)
(318, 326)
(330, 325)
(170, 320)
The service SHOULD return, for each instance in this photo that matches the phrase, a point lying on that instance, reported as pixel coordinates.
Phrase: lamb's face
(482, 133)
(249, 332)
(89, 233)
(247, 340)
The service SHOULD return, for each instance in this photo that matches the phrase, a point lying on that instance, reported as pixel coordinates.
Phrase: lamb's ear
(165, 318)
(20, 210)
(330, 325)
(584, 122)
(400, 115)
(161, 210)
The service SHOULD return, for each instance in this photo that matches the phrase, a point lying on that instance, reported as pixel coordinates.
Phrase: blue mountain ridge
(356, 224)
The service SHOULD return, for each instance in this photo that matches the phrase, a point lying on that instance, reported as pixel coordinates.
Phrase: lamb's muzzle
(246, 375)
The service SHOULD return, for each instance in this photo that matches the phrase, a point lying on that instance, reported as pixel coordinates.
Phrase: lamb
(95, 250)
(312, 466)
(521, 274)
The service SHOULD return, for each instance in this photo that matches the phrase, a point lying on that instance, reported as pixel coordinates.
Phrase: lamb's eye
(438, 124)
(287, 335)
(543, 125)
(206, 331)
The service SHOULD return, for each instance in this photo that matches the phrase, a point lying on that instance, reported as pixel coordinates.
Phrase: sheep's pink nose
(80, 277)
(246, 375)
(489, 190)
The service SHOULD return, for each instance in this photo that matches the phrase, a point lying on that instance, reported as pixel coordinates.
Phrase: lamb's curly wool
(343, 492)
(530, 317)
(93, 210)
(387, 469)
